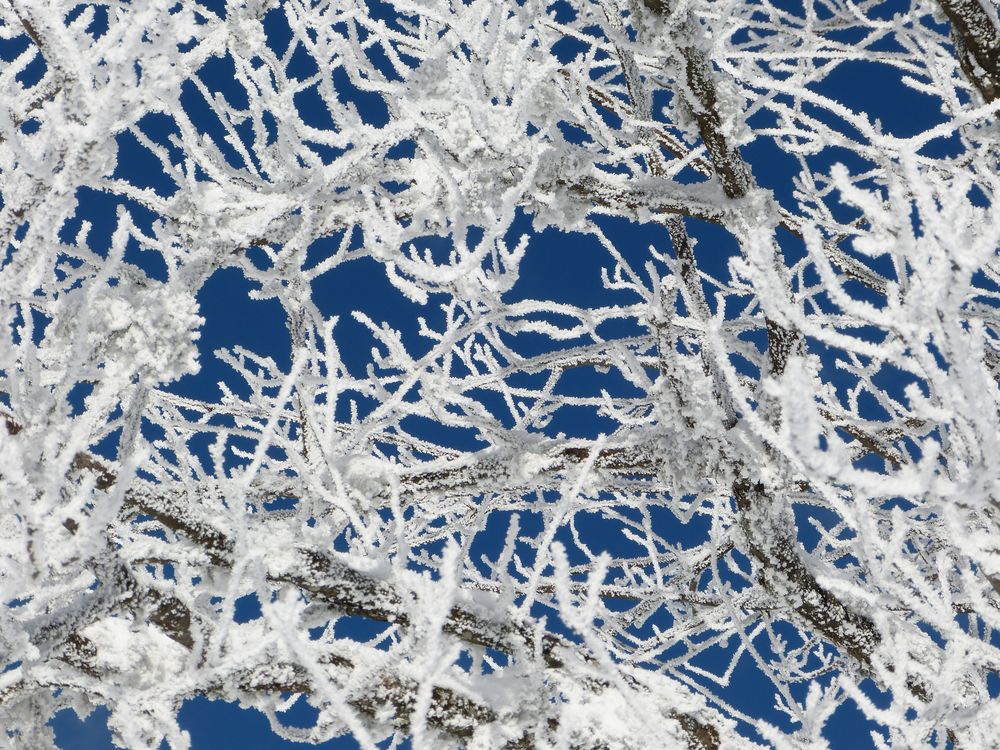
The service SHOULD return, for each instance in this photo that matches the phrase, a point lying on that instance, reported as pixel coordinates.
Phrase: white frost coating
(613, 428)
(144, 651)
(149, 330)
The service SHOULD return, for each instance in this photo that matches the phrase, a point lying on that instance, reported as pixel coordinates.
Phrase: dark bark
(977, 45)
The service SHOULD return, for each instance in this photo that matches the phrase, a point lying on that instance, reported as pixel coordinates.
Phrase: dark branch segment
(783, 572)
(977, 43)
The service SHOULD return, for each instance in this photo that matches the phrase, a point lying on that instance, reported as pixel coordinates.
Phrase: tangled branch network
(593, 374)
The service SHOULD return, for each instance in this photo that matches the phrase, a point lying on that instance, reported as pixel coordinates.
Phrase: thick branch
(777, 554)
(977, 43)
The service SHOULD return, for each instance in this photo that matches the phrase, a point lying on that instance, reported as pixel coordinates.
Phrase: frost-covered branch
(588, 359)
